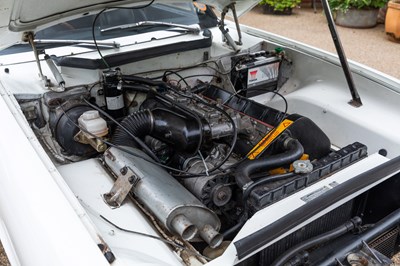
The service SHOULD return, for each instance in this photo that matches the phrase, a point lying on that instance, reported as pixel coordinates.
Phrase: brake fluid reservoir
(91, 122)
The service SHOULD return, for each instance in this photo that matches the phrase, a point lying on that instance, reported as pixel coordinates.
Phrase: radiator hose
(293, 151)
(323, 238)
(181, 133)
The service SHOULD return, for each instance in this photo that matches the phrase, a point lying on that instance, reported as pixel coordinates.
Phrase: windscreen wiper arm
(189, 28)
(83, 42)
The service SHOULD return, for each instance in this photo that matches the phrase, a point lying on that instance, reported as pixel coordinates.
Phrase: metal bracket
(121, 188)
(225, 33)
(29, 37)
(85, 138)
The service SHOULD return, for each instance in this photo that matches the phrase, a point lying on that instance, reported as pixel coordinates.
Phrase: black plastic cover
(265, 195)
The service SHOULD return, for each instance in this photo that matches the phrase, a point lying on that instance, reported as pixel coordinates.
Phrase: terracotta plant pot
(357, 18)
(392, 21)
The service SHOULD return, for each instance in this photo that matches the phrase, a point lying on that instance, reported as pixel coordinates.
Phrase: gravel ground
(366, 46)
(3, 257)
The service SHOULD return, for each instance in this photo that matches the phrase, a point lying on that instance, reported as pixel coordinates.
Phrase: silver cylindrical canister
(173, 205)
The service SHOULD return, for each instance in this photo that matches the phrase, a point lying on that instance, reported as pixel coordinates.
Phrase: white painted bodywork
(36, 207)
(49, 214)
(130, 217)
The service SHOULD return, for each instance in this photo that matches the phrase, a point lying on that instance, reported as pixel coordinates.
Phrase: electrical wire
(183, 109)
(234, 129)
(284, 100)
(185, 174)
(136, 139)
(142, 234)
(176, 70)
(276, 93)
(94, 26)
(119, 147)
(255, 89)
(198, 75)
(170, 242)
(204, 162)
(92, 86)
(94, 37)
(177, 245)
(177, 74)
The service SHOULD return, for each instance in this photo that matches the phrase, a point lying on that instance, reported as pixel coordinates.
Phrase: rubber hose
(139, 124)
(246, 194)
(294, 150)
(325, 237)
(145, 81)
(136, 88)
(179, 132)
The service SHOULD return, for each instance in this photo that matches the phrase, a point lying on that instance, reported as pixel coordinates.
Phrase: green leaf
(345, 5)
(281, 5)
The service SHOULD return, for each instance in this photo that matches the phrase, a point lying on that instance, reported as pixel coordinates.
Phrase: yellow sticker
(266, 141)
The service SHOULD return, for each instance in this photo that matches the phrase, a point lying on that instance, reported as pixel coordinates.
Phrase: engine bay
(195, 153)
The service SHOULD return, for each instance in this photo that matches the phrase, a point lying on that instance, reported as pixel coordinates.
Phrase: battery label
(262, 73)
(267, 140)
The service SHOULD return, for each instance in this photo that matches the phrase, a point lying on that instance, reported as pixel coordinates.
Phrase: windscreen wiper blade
(189, 28)
(81, 42)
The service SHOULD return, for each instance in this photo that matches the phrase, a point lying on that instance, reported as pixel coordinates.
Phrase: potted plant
(356, 13)
(392, 21)
(279, 7)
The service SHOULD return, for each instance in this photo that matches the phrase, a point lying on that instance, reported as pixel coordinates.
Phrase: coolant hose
(323, 238)
(294, 150)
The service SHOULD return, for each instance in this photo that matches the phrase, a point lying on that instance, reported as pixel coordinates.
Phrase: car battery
(254, 74)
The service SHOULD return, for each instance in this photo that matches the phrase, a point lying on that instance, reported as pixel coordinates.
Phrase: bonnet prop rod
(356, 100)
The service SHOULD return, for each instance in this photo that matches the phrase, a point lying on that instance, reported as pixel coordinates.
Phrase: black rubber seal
(257, 240)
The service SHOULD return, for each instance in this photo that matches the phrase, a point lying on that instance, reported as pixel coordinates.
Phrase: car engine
(201, 158)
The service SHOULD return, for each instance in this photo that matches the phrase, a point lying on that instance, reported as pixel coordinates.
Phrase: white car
(155, 133)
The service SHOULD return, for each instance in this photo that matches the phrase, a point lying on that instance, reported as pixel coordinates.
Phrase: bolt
(123, 170)
(110, 156)
(221, 195)
(102, 147)
(131, 179)
(7, 70)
